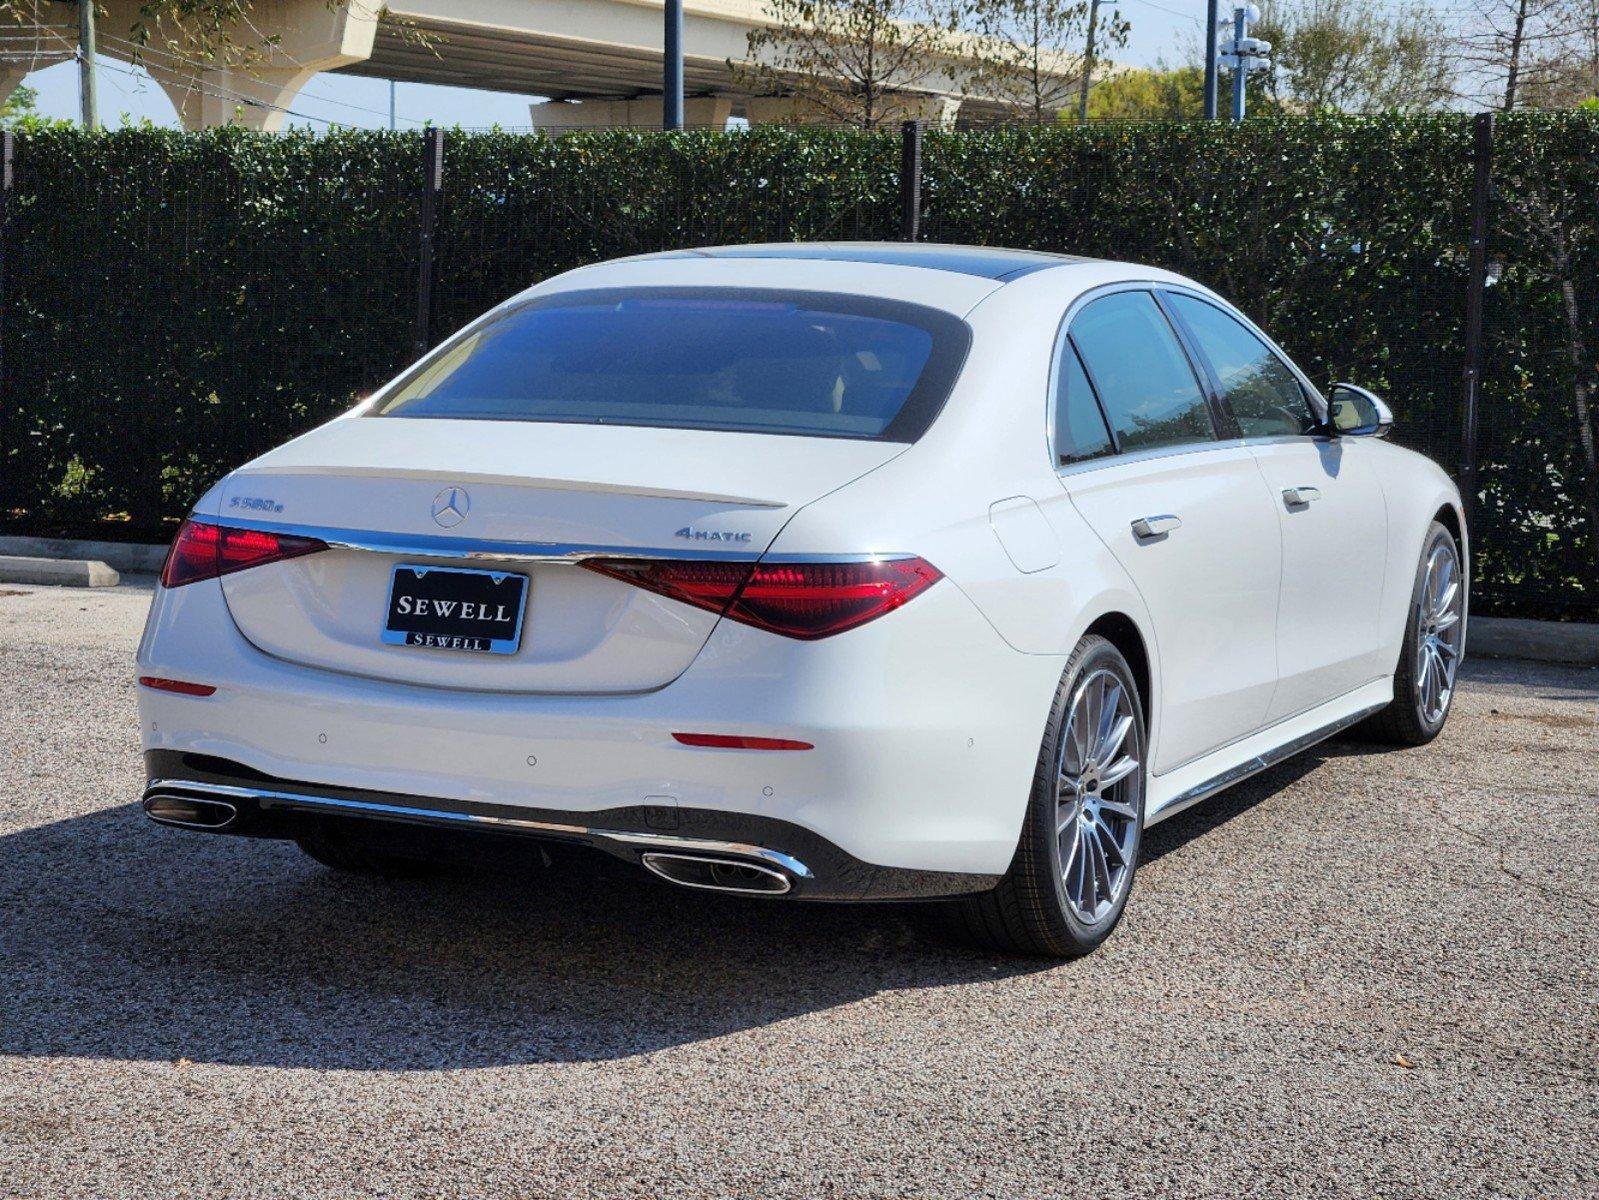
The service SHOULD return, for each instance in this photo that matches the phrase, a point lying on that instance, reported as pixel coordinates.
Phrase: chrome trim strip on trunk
(405, 812)
(1261, 762)
(431, 546)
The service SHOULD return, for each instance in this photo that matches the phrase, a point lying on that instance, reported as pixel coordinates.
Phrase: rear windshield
(734, 359)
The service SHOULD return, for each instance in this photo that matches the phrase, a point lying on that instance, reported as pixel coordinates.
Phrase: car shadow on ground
(123, 940)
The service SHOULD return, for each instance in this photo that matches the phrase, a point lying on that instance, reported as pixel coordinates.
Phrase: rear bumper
(925, 727)
(249, 804)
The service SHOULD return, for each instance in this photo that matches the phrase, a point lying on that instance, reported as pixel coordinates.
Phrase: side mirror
(1355, 412)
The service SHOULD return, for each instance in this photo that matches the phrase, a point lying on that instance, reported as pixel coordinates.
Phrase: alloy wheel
(1438, 632)
(1100, 797)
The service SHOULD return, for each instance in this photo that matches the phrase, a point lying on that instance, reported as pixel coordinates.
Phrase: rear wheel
(1424, 683)
(1068, 883)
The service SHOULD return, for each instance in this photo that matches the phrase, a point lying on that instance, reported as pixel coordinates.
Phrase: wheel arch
(1121, 631)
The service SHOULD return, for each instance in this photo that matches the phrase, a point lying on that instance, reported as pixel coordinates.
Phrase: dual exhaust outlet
(703, 871)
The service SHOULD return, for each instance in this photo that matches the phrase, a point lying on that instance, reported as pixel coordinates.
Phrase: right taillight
(807, 600)
(202, 550)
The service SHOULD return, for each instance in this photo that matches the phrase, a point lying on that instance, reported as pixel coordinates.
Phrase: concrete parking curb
(132, 557)
(58, 572)
(1572, 642)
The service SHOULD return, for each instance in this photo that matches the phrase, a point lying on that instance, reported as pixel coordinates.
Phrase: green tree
(1149, 94)
(1356, 56)
(22, 105)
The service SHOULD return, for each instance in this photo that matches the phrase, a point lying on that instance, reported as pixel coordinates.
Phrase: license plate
(447, 608)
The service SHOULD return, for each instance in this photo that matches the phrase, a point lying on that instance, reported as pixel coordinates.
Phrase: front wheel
(1424, 683)
(1069, 880)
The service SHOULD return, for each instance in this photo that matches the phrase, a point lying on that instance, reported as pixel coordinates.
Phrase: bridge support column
(11, 77)
(313, 36)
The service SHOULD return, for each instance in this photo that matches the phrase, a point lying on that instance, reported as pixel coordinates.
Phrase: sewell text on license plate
(450, 608)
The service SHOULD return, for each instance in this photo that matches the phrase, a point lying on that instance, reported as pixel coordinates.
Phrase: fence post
(1476, 284)
(432, 185)
(7, 177)
(910, 181)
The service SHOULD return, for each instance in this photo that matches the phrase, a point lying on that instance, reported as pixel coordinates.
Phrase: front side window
(1141, 373)
(754, 361)
(1263, 394)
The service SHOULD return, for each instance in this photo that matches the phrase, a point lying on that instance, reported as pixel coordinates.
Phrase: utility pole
(1212, 17)
(392, 122)
(672, 68)
(1088, 62)
(86, 96)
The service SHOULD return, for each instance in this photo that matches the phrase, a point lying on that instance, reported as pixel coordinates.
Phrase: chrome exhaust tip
(189, 812)
(718, 874)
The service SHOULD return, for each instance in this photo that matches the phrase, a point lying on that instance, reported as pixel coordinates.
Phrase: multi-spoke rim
(1100, 796)
(1438, 630)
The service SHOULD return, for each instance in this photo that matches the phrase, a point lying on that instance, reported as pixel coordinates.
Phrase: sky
(1161, 29)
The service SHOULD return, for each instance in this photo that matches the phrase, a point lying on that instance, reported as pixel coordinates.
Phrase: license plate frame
(448, 630)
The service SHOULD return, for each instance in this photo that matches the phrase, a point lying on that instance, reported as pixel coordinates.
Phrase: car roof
(985, 262)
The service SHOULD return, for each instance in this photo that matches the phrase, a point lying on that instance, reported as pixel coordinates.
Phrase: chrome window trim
(649, 841)
(1317, 401)
(571, 553)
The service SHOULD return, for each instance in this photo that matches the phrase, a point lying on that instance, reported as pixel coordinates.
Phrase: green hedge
(175, 303)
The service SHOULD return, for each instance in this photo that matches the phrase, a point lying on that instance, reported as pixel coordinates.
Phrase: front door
(1329, 505)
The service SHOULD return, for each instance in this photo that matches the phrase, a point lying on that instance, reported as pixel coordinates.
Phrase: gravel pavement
(1362, 974)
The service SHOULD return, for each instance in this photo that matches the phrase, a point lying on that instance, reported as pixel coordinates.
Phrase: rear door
(1187, 514)
(1329, 505)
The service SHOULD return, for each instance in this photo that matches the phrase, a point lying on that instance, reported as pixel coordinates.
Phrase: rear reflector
(204, 551)
(176, 685)
(729, 741)
(795, 599)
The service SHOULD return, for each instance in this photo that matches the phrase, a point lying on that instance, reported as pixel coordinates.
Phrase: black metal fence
(172, 304)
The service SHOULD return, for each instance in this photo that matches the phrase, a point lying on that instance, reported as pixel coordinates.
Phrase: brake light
(796, 599)
(204, 551)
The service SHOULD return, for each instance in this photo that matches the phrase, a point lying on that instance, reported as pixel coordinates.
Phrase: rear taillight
(796, 599)
(204, 551)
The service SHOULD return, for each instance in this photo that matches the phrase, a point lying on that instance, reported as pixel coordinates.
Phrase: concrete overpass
(599, 61)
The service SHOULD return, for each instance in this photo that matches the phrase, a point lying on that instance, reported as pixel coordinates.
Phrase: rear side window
(1079, 426)
(730, 359)
(1142, 375)
(1256, 385)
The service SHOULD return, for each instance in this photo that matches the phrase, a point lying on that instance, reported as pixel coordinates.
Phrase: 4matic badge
(711, 535)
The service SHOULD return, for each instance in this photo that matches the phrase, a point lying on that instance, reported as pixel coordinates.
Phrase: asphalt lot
(1362, 974)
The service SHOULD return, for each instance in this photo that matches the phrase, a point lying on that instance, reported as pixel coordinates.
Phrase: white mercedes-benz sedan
(837, 572)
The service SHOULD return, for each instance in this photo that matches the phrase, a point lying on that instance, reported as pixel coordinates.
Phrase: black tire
(341, 848)
(1403, 723)
(1030, 911)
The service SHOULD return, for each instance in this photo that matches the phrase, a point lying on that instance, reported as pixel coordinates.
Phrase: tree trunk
(1518, 38)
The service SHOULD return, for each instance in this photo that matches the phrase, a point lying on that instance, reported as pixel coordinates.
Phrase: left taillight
(806, 600)
(203, 550)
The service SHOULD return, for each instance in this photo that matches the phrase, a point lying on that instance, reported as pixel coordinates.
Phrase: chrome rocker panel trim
(401, 812)
(1260, 763)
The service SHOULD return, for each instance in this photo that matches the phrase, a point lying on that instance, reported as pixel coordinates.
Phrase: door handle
(1146, 528)
(1300, 495)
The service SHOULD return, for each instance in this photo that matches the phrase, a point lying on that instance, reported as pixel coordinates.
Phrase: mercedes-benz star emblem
(451, 506)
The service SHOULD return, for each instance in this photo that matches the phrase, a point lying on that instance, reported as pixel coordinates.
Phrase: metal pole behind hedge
(1476, 285)
(910, 181)
(432, 185)
(7, 154)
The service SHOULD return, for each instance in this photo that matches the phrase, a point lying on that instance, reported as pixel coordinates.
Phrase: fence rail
(172, 304)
